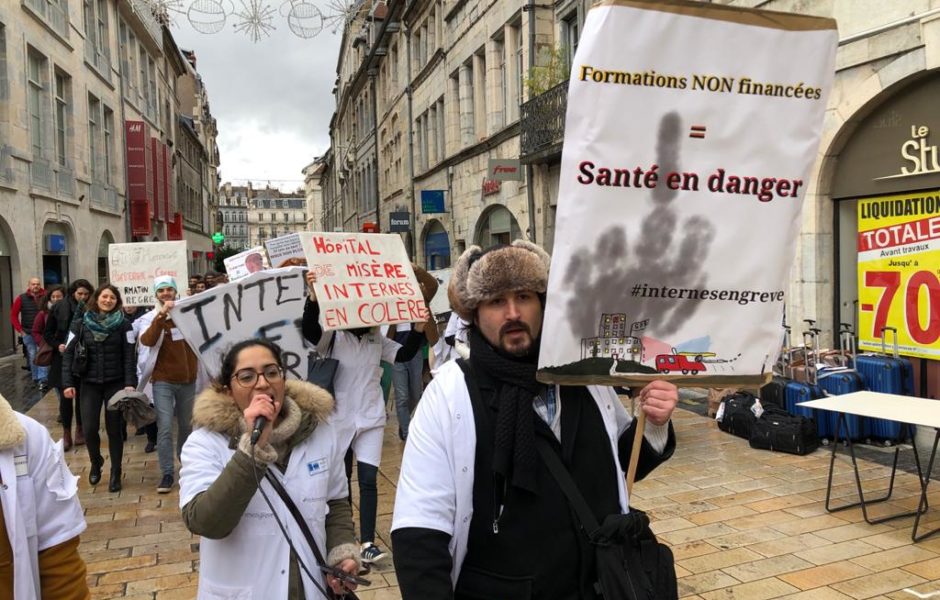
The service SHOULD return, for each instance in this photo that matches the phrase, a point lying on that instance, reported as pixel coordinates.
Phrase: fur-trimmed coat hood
(216, 411)
(12, 433)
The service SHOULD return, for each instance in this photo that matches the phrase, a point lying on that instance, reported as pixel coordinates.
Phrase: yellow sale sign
(899, 272)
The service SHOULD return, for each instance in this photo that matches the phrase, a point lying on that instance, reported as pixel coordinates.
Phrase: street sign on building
(432, 201)
(399, 222)
(504, 169)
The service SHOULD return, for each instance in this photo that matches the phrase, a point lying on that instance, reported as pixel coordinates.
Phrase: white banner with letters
(245, 263)
(691, 131)
(133, 267)
(363, 280)
(266, 304)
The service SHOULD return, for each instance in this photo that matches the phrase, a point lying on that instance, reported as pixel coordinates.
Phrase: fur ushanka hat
(480, 275)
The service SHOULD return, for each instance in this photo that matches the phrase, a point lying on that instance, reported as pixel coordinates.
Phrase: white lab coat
(251, 563)
(147, 357)
(357, 387)
(435, 488)
(40, 502)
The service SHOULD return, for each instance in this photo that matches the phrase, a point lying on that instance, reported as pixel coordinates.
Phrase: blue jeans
(408, 382)
(39, 373)
(168, 397)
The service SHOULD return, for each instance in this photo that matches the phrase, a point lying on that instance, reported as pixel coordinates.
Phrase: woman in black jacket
(56, 334)
(110, 366)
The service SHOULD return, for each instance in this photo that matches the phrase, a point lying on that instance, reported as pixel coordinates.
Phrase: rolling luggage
(889, 374)
(838, 380)
(782, 432)
(802, 391)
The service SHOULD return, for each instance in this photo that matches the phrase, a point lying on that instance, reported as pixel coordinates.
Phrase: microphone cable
(290, 543)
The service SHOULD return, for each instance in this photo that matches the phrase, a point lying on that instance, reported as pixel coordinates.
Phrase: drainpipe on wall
(128, 231)
(375, 149)
(411, 164)
(530, 193)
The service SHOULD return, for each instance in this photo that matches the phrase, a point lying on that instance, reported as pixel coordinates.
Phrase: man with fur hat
(42, 517)
(478, 514)
(168, 363)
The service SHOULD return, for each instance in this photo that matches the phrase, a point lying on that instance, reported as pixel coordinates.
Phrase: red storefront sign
(169, 206)
(156, 155)
(139, 179)
(491, 186)
(174, 229)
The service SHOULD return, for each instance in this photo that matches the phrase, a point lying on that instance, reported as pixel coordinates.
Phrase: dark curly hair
(230, 359)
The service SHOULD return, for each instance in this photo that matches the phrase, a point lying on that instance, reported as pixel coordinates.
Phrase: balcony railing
(543, 125)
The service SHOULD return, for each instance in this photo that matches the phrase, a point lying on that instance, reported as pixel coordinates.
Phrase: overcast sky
(271, 99)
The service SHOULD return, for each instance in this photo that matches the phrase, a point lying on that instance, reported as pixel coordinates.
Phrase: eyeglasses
(249, 377)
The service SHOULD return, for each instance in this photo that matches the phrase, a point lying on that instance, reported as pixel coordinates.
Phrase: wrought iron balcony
(543, 125)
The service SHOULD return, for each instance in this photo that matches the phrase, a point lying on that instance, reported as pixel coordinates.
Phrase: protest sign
(898, 267)
(285, 251)
(687, 161)
(133, 267)
(245, 263)
(267, 304)
(363, 280)
(440, 303)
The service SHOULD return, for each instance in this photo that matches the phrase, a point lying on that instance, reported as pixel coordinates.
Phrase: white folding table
(907, 410)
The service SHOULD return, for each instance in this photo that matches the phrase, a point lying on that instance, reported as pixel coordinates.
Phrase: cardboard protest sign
(133, 267)
(267, 304)
(898, 267)
(691, 129)
(245, 263)
(286, 251)
(363, 280)
(440, 303)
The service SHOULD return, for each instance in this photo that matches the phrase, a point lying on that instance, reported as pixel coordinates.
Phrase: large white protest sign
(133, 267)
(286, 251)
(363, 280)
(243, 264)
(691, 130)
(267, 304)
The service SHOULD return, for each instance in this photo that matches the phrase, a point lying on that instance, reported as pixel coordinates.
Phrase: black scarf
(514, 454)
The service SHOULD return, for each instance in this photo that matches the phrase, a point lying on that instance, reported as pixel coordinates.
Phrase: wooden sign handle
(635, 453)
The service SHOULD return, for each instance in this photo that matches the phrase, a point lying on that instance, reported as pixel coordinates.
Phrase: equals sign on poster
(697, 131)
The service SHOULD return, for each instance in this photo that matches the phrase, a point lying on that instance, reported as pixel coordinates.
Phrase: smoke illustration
(670, 251)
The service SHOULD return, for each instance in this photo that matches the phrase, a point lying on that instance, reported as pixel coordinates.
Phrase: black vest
(539, 551)
(29, 308)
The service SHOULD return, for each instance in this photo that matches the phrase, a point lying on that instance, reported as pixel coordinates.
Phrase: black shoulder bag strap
(563, 478)
(302, 523)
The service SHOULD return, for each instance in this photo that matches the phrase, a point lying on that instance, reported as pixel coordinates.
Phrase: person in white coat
(243, 553)
(477, 513)
(360, 407)
(42, 517)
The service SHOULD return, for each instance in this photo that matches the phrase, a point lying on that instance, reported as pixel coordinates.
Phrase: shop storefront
(886, 230)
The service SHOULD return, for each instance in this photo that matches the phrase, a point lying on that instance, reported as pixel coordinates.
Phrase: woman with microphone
(252, 545)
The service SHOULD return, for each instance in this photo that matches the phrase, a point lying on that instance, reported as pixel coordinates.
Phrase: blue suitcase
(889, 375)
(837, 381)
(797, 391)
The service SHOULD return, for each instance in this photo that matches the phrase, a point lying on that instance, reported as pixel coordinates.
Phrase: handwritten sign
(267, 304)
(133, 267)
(363, 280)
(245, 263)
(286, 251)
(687, 161)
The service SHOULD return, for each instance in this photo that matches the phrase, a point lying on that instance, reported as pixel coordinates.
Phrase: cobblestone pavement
(743, 524)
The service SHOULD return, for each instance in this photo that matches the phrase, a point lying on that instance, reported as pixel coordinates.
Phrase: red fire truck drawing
(685, 363)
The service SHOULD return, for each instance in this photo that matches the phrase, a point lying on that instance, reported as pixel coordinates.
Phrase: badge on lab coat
(317, 467)
(175, 334)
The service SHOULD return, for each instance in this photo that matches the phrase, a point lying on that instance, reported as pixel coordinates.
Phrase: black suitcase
(773, 393)
(736, 415)
(782, 432)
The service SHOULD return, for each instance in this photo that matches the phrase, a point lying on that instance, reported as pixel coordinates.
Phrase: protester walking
(408, 376)
(106, 340)
(41, 515)
(171, 367)
(477, 490)
(56, 334)
(360, 410)
(53, 294)
(22, 314)
(226, 483)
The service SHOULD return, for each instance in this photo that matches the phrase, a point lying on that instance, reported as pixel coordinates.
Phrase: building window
(94, 110)
(570, 34)
(62, 96)
(96, 36)
(53, 12)
(108, 125)
(518, 67)
(499, 51)
(36, 101)
(479, 101)
(287, 217)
